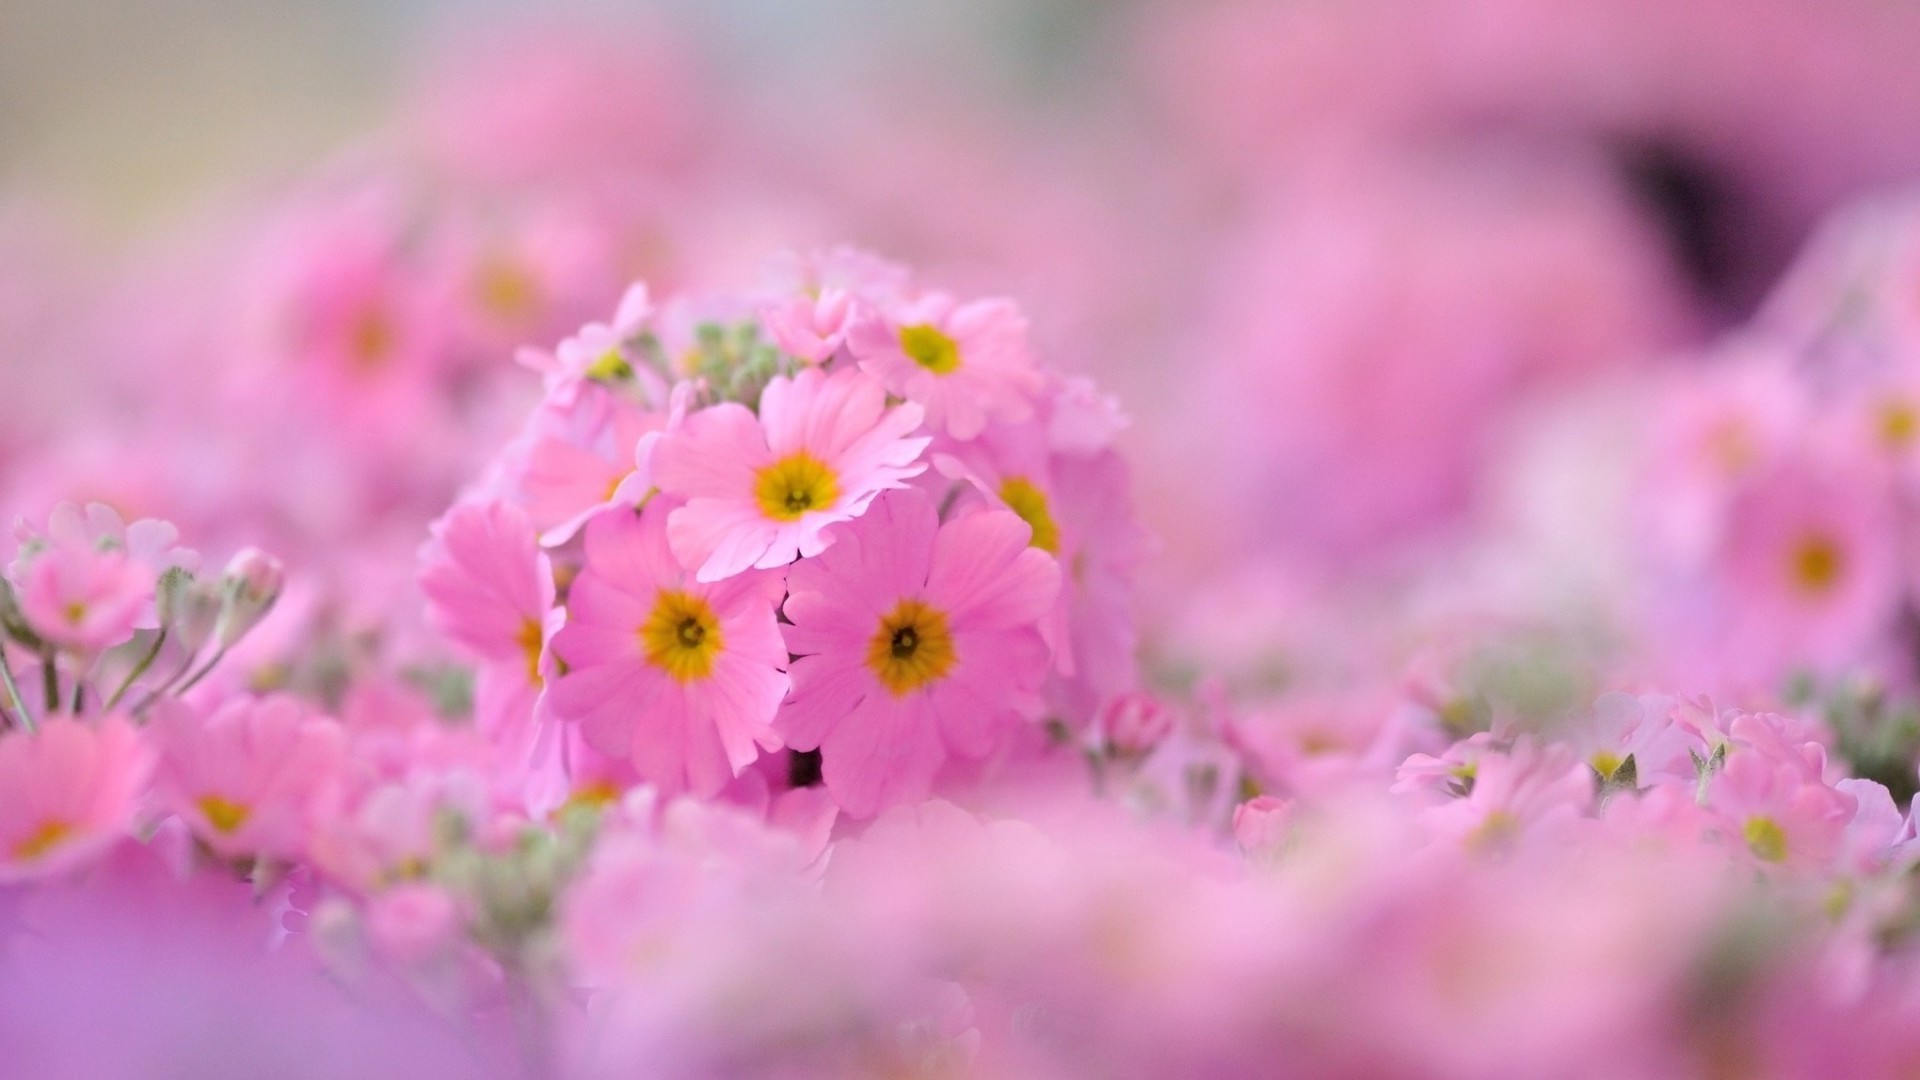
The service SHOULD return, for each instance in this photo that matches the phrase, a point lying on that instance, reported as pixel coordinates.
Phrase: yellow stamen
(223, 814)
(1027, 500)
(371, 342)
(506, 289)
(611, 367)
(1767, 839)
(51, 834)
(1606, 763)
(1899, 423)
(931, 348)
(794, 485)
(531, 638)
(1817, 563)
(682, 636)
(75, 612)
(911, 648)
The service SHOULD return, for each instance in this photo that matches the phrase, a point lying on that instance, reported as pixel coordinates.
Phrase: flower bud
(248, 590)
(1260, 824)
(1133, 724)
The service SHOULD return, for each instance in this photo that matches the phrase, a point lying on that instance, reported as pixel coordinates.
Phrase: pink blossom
(72, 790)
(915, 638)
(759, 492)
(815, 297)
(249, 776)
(966, 363)
(1776, 810)
(86, 598)
(490, 588)
(1531, 790)
(678, 675)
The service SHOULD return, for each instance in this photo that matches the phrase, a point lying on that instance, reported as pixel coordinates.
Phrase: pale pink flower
(1778, 811)
(814, 297)
(72, 790)
(581, 452)
(914, 639)
(679, 676)
(966, 363)
(759, 492)
(86, 598)
(249, 776)
(1530, 790)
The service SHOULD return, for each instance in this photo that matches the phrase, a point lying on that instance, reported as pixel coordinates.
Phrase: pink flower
(71, 792)
(87, 599)
(914, 638)
(816, 296)
(490, 588)
(759, 492)
(965, 363)
(248, 777)
(1528, 791)
(1778, 810)
(680, 676)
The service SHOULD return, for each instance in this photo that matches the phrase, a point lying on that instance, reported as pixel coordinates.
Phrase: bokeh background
(1375, 278)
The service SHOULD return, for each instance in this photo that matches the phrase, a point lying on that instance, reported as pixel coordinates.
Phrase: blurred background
(1372, 276)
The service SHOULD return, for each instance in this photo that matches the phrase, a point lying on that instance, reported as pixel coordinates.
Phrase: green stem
(13, 692)
(139, 669)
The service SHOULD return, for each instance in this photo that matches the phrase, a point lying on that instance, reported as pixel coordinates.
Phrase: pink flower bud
(1260, 824)
(1132, 724)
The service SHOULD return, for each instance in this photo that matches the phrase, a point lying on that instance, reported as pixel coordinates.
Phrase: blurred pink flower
(73, 788)
(249, 776)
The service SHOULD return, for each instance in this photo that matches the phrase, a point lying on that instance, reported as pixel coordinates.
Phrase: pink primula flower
(915, 638)
(71, 791)
(759, 492)
(966, 363)
(490, 588)
(815, 297)
(679, 676)
(249, 777)
(86, 598)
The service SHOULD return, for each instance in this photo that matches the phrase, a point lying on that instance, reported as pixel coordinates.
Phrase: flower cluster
(841, 524)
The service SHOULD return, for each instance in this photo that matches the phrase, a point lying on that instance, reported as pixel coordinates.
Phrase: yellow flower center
(794, 485)
(911, 648)
(371, 341)
(530, 639)
(51, 834)
(931, 348)
(592, 795)
(224, 815)
(611, 367)
(75, 611)
(506, 289)
(1027, 500)
(1606, 763)
(1816, 563)
(1899, 423)
(1732, 446)
(682, 636)
(1766, 838)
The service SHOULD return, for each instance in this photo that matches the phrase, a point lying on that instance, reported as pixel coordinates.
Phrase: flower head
(965, 362)
(760, 491)
(914, 638)
(677, 675)
(71, 791)
(248, 777)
